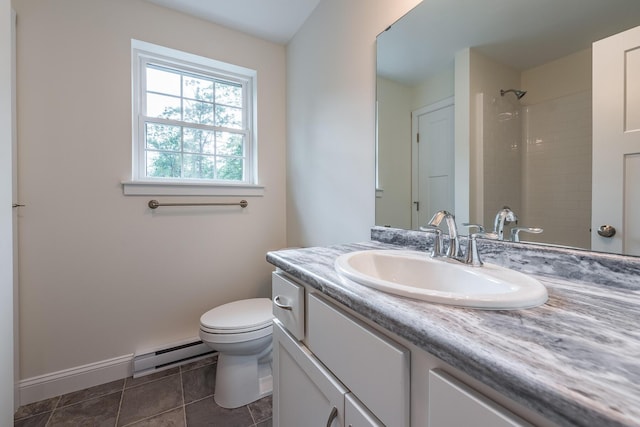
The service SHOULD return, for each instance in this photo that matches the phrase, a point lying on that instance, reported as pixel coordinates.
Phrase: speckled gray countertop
(575, 360)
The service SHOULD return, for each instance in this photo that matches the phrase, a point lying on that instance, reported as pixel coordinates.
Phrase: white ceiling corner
(273, 20)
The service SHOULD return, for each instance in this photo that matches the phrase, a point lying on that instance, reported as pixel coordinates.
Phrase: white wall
(331, 120)
(434, 88)
(6, 245)
(101, 275)
(396, 101)
(564, 76)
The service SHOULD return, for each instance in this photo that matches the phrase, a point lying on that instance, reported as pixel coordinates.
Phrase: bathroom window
(193, 122)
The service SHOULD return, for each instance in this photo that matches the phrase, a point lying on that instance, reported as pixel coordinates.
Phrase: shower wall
(502, 156)
(556, 170)
(496, 139)
(557, 151)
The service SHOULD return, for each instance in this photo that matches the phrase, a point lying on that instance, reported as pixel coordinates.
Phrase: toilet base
(241, 380)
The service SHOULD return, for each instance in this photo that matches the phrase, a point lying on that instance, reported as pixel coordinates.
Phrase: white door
(7, 374)
(15, 198)
(616, 143)
(432, 159)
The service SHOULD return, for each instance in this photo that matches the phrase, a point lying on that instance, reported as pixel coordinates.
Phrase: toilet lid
(243, 315)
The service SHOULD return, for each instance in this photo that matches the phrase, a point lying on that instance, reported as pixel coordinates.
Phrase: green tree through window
(195, 126)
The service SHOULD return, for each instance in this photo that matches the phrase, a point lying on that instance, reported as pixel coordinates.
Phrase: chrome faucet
(454, 251)
(454, 243)
(505, 216)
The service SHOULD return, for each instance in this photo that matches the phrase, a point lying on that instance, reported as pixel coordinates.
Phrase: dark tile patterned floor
(178, 397)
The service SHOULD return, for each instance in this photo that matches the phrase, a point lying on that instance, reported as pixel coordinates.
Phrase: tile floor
(181, 396)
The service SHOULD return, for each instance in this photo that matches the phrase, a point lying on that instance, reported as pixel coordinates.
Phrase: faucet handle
(473, 254)
(437, 239)
(515, 232)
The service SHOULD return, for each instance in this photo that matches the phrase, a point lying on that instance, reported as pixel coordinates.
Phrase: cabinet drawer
(288, 304)
(372, 366)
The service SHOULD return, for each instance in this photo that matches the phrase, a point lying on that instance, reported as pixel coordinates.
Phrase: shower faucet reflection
(506, 216)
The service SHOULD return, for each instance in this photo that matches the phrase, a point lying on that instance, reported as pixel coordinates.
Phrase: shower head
(518, 93)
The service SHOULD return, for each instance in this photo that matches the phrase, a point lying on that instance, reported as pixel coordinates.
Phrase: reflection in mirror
(517, 76)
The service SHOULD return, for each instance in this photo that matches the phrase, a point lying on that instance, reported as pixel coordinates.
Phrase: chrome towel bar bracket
(154, 204)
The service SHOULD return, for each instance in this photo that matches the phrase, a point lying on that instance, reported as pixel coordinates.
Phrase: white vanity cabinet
(330, 368)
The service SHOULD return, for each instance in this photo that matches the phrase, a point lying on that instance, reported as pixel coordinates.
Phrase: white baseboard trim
(69, 380)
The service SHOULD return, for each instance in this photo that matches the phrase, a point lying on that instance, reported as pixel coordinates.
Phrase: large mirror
(484, 104)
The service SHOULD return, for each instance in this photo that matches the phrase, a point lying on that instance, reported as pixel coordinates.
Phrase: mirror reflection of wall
(396, 102)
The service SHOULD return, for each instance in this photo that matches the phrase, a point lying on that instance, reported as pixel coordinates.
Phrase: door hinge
(418, 138)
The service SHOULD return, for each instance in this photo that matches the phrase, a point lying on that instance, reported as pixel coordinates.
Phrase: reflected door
(616, 143)
(433, 161)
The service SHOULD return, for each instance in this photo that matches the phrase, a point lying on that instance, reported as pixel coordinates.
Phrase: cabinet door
(372, 366)
(357, 415)
(453, 404)
(304, 392)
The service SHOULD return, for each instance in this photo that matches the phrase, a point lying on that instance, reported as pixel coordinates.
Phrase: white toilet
(241, 333)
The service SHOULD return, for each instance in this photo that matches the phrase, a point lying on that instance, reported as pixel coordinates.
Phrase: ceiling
(519, 33)
(273, 20)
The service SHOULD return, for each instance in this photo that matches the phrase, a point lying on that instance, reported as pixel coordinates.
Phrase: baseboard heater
(160, 359)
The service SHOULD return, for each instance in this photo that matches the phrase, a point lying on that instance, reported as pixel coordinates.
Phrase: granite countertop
(575, 360)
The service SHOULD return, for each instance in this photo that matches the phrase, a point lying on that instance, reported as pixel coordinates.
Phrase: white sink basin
(416, 275)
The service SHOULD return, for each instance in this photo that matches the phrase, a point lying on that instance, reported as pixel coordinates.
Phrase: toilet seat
(213, 336)
(239, 317)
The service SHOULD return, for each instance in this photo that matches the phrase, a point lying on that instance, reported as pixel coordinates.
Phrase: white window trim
(141, 52)
(147, 188)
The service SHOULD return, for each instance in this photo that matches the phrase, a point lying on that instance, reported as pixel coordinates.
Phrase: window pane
(162, 137)
(198, 167)
(192, 118)
(196, 88)
(198, 112)
(228, 117)
(163, 81)
(229, 94)
(165, 165)
(230, 168)
(229, 144)
(198, 141)
(166, 107)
